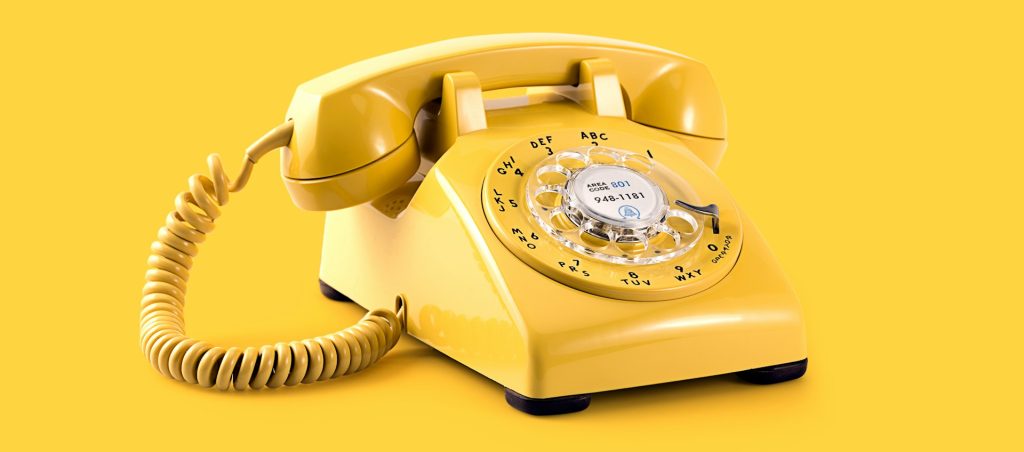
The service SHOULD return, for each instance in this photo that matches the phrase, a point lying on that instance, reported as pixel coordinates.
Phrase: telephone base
(775, 374)
(332, 294)
(546, 407)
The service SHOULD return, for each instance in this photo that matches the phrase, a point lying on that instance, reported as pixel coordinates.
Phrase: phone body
(485, 283)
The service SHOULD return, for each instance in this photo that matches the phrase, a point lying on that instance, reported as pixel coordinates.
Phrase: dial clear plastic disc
(612, 204)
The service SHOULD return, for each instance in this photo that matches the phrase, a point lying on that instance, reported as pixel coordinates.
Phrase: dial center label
(618, 195)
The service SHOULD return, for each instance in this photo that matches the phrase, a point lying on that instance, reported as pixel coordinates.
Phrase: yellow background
(877, 147)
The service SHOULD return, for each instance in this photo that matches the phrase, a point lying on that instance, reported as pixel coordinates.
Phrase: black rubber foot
(329, 292)
(545, 407)
(775, 374)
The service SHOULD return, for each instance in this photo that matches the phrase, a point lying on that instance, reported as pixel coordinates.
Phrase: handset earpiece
(354, 139)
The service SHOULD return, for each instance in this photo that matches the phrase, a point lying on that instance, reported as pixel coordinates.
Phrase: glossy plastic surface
(504, 196)
(360, 185)
(351, 117)
(471, 298)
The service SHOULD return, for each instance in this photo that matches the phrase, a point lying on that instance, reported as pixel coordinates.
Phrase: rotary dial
(613, 214)
(608, 203)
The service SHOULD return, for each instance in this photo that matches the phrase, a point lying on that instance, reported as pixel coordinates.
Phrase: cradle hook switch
(603, 93)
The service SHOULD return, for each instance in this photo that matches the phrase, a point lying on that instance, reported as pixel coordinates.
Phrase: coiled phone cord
(162, 322)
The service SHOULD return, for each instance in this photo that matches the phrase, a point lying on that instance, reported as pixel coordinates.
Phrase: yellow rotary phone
(540, 207)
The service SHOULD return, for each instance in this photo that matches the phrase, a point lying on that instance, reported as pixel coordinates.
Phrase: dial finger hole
(593, 241)
(549, 195)
(667, 238)
(661, 241)
(553, 175)
(681, 222)
(572, 160)
(603, 156)
(593, 235)
(638, 163)
(561, 221)
(632, 244)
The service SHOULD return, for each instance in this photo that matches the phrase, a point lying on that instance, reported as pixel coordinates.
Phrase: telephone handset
(552, 222)
(327, 166)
